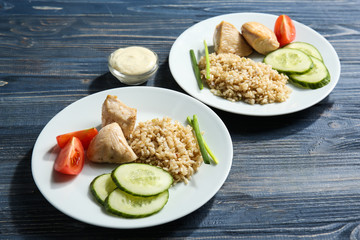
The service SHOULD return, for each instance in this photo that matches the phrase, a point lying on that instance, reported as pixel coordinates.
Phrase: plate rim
(225, 175)
(334, 79)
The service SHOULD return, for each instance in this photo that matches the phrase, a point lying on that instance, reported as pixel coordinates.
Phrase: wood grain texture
(293, 177)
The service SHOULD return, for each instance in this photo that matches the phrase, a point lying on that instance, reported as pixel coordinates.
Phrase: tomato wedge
(284, 30)
(71, 158)
(85, 136)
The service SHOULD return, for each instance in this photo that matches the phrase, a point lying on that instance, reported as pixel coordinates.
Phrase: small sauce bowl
(123, 61)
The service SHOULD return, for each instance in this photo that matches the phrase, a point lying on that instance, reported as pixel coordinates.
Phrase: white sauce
(133, 60)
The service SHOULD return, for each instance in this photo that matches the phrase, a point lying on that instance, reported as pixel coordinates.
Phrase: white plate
(71, 195)
(192, 38)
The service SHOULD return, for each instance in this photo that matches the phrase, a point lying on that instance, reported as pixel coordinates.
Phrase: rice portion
(169, 145)
(237, 78)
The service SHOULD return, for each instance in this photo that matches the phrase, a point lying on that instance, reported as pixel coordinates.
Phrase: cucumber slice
(141, 179)
(306, 48)
(126, 205)
(101, 187)
(289, 60)
(317, 77)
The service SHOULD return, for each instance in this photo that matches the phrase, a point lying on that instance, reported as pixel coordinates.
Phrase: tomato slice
(71, 158)
(85, 136)
(284, 30)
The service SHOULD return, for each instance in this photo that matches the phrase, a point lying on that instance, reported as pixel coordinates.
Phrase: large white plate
(71, 195)
(192, 38)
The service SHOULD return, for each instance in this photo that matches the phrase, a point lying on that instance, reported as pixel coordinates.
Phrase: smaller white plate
(71, 195)
(193, 37)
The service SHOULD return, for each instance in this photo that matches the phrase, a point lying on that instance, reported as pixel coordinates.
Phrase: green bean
(196, 69)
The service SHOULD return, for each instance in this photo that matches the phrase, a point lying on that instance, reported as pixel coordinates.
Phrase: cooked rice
(237, 78)
(169, 145)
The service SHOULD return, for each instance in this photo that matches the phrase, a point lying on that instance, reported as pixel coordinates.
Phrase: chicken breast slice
(260, 37)
(227, 39)
(113, 110)
(110, 146)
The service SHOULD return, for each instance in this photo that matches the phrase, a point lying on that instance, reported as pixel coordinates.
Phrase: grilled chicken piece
(227, 39)
(113, 110)
(110, 146)
(260, 37)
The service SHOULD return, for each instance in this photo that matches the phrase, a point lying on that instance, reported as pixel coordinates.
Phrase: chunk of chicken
(227, 39)
(110, 146)
(113, 110)
(260, 37)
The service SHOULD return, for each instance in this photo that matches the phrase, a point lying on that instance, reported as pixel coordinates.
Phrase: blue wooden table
(295, 176)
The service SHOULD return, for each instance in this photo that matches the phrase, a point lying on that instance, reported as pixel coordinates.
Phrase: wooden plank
(293, 177)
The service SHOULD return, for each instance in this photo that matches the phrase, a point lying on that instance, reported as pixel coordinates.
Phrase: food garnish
(214, 158)
(85, 136)
(195, 125)
(71, 158)
(196, 69)
(284, 30)
(207, 61)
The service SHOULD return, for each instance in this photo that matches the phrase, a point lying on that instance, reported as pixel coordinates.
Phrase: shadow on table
(162, 78)
(104, 82)
(31, 215)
